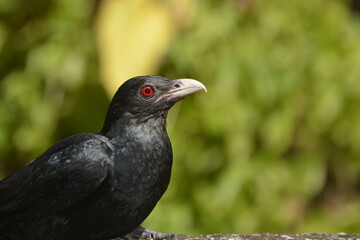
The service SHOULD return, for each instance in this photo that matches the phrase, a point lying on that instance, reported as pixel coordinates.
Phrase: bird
(99, 185)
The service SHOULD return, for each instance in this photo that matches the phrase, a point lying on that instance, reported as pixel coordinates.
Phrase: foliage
(272, 147)
(46, 54)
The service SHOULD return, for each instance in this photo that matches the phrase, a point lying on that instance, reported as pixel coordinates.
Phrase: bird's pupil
(147, 91)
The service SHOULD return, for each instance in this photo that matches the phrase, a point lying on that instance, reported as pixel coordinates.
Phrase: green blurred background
(273, 147)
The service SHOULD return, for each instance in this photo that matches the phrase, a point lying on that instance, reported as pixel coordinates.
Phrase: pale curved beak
(188, 86)
(182, 88)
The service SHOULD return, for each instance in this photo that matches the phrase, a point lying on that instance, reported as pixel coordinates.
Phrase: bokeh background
(274, 146)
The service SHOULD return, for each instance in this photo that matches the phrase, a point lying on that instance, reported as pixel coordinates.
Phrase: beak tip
(192, 83)
(185, 87)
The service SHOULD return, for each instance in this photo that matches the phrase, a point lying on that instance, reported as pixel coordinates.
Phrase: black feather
(95, 185)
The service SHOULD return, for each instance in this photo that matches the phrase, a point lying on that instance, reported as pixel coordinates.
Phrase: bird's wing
(68, 171)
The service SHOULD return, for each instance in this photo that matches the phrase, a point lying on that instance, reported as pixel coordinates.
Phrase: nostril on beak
(177, 85)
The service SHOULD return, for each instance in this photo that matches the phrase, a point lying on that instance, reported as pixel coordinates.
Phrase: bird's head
(146, 97)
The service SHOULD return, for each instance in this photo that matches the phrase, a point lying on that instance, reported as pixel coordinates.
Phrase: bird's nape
(99, 185)
(147, 97)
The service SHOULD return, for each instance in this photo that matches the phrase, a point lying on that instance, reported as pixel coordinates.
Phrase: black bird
(98, 185)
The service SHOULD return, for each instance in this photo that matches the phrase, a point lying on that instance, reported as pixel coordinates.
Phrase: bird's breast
(141, 170)
(142, 165)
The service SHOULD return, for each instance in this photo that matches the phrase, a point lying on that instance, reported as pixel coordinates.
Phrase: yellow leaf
(132, 38)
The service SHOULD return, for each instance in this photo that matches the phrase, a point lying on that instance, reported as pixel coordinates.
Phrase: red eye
(147, 91)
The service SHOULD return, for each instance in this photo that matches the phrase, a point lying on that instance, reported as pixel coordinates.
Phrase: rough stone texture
(261, 236)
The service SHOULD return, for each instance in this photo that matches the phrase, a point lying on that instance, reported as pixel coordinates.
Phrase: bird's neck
(129, 126)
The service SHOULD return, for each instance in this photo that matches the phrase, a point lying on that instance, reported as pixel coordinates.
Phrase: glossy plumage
(98, 185)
